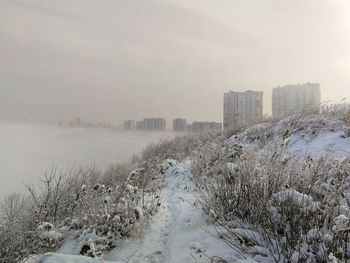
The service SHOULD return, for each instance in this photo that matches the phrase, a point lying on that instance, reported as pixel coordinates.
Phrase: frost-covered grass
(275, 202)
(295, 206)
(105, 206)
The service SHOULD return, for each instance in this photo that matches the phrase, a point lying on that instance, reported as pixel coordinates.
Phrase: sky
(111, 60)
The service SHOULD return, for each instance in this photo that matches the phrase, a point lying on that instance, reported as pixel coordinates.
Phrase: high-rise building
(179, 125)
(129, 125)
(188, 127)
(293, 98)
(152, 124)
(242, 108)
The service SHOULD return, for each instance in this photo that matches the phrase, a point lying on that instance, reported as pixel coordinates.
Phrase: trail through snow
(178, 233)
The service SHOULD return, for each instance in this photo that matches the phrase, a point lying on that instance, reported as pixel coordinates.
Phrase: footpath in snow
(179, 232)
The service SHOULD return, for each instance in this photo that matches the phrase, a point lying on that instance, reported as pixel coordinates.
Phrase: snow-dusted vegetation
(280, 191)
(277, 191)
(97, 207)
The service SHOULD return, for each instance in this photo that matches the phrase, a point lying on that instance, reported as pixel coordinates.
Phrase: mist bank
(27, 151)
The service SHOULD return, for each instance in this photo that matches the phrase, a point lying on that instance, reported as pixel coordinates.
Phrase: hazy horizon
(116, 60)
(29, 151)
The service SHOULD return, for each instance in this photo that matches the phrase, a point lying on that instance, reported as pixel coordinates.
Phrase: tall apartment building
(179, 125)
(152, 124)
(129, 125)
(242, 108)
(293, 98)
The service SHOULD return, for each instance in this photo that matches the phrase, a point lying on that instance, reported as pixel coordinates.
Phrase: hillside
(274, 192)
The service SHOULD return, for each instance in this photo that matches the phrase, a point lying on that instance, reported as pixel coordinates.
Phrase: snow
(341, 219)
(315, 136)
(129, 188)
(232, 166)
(181, 232)
(302, 200)
(48, 233)
(178, 233)
(308, 124)
(62, 258)
(74, 243)
(328, 143)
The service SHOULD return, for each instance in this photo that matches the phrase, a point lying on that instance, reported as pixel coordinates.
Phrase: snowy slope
(178, 233)
(317, 136)
(329, 143)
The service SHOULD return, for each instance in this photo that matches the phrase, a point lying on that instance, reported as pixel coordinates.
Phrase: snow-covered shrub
(334, 111)
(49, 235)
(258, 134)
(308, 125)
(15, 239)
(118, 209)
(298, 204)
(299, 207)
(110, 204)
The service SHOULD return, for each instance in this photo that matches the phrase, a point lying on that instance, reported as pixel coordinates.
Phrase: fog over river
(26, 151)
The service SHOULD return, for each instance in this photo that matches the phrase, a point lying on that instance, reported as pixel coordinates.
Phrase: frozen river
(26, 151)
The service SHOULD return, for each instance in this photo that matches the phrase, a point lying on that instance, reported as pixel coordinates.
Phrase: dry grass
(245, 196)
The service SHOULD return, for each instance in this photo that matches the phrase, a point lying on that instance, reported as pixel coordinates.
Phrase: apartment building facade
(152, 124)
(129, 125)
(242, 108)
(290, 99)
(179, 125)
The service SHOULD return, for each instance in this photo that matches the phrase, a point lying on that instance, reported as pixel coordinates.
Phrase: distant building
(179, 125)
(188, 127)
(139, 125)
(293, 98)
(241, 108)
(201, 127)
(152, 124)
(129, 125)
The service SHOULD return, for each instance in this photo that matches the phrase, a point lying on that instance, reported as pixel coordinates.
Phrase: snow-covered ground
(330, 143)
(178, 233)
(315, 136)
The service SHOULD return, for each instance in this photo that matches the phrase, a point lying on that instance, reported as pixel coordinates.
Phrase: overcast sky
(122, 59)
